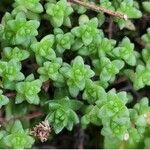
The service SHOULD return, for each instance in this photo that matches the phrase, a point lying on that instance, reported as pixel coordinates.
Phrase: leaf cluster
(56, 58)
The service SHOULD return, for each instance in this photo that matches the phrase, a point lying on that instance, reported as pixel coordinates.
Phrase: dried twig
(99, 9)
(110, 28)
(27, 117)
(33, 115)
(79, 138)
(10, 94)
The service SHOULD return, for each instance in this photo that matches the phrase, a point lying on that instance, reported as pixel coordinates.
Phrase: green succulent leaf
(93, 92)
(77, 74)
(125, 50)
(146, 38)
(3, 99)
(62, 114)
(31, 5)
(15, 53)
(51, 70)
(58, 12)
(17, 137)
(64, 42)
(141, 77)
(19, 31)
(43, 50)
(107, 69)
(28, 90)
(129, 9)
(86, 32)
(146, 6)
(10, 73)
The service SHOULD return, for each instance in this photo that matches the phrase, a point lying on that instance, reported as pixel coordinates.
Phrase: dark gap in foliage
(94, 139)
(75, 18)
(51, 90)
(88, 61)
(44, 29)
(28, 67)
(68, 56)
(5, 6)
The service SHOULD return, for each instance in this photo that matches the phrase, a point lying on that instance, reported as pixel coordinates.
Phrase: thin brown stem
(27, 117)
(10, 95)
(79, 138)
(110, 28)
(99, 9)
(34, 115)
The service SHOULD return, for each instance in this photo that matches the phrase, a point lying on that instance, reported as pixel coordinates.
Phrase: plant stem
(110, 28)
(27, 117)
(79, 138)
(8, 111)
(99, 9)
(10, 94)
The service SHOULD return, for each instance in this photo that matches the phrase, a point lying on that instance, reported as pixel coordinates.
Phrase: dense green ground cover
(76, 72)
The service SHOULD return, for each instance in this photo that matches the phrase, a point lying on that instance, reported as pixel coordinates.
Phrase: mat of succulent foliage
(75, 74)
